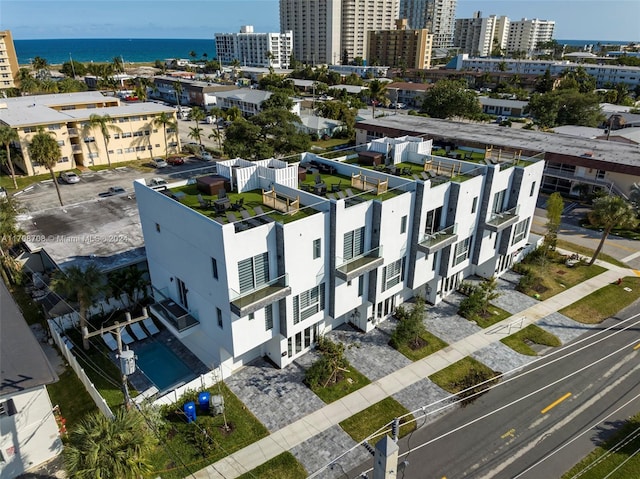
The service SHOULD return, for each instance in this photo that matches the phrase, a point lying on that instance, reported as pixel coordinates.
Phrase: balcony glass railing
(172, 312)
(499, 221)
(360, 264)
(432, 242)
(243, 303)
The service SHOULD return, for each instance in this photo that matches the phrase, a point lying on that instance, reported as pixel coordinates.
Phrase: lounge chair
(331, 196)
(110, 341)
(406, 170)
(263, 216)
(150, 326)
(336, 188)
(425, 176)
(222, 193)
(340, 195)
(237, 206)
(349, 193)
(231, 218)
(203, 203)
(248, 218)
(125, 336)
(416, 177)
(138, 332)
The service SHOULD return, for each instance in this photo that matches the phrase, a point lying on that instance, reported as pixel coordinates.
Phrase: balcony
(500, 221)
(174, 314)
(73, 132)
(430, 243)
(258, 298)
(361, 264)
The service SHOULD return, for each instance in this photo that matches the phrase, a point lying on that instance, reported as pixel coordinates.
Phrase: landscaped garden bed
(532, 334)
(465, 378)
(410, 337)
(284, 466)
(362, 425)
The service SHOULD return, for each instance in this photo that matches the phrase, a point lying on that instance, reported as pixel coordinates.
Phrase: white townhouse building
(255, 49)
(605, 75)
(291, 250)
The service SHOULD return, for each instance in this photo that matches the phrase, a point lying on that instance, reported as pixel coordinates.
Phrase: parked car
(175, 160)
(157, 182)
(115, 190)
(69, 177)
(159, 163)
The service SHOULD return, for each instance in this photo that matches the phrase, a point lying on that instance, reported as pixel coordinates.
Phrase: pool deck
(140, 382)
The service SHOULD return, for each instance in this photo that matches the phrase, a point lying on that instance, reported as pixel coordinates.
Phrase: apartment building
(400, 48)
(134, 133)
(316, 27)
(189, 92)
(605, 75)
(479, 36)
(524, 35)
(255, 49)
(248, 101)
(437, 16)
(327, 31)
(290, 250)
(8, 61)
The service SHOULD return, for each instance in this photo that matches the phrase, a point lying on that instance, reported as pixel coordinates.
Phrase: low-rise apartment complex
(134, 132)
(8, 61)
(262, 258)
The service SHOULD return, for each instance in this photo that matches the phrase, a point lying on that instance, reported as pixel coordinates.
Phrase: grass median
(284, 466)
(532, 334)
(604, 302)
(350, 380)
(365, 423)
(462, 378)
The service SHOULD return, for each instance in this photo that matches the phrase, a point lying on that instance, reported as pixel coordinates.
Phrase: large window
(268, 317)
(393, 274)
(253, 272)
(316, 248)
(462, 251)
(308, 303)
(433, 221)
(498, 202)
(520, 230)
(353, 244)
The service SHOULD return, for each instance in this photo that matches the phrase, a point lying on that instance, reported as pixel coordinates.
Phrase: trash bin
(203, 400)
(217, 404)
(190, 411)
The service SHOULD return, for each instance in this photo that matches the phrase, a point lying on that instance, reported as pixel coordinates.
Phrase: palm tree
(110, 448)
(44, 150)
(193, 54)
(377, 92)
(610, 212)
(165, 120)
(10, 268)
(216, 135)
(634, 196)
(177, 88)
(195, 133)
(27, 83)
(118, 64)
(233, 113)
(197, 115)
(8, 135)
(104, 123)
(131, 281)
(83, 286)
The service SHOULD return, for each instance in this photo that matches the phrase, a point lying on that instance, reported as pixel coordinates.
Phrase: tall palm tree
(104, 123)
(610, 212)
(83, 286)
(197, 115)
(44, 150)
(165, 120)
(216, 135)
(377, 93)
(218, 113)
(27, 83)
(9, 234)
(195, 133)
(118, 64)
(634, 196)
(8, 135)
(233, 113)
(131, 281)
(110, 448)
(177, 88)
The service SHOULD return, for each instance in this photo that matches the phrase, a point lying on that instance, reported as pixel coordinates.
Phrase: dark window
(316, 248)
(214, 268)
(474, 205)
(268, 317)
(219, 311)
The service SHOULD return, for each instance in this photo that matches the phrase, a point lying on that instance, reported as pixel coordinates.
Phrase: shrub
(410, 326)
(326, 370)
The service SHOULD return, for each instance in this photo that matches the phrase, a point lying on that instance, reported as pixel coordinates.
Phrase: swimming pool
(161, 365)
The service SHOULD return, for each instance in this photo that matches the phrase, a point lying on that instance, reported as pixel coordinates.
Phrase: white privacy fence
(73, 362)
(201, 382)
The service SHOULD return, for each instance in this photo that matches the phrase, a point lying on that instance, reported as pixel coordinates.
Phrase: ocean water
(104, 50)
(580, 43)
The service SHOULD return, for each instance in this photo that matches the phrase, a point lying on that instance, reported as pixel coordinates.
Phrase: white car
(69, 177)
(157, 182)
(159, 163)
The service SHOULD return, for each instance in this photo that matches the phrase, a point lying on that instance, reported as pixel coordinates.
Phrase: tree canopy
(565, 107)
(610, 212)
(449, 98)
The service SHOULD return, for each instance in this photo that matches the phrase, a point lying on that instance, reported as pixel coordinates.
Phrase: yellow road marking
(637, 346)
(509, 433)
(555, 403)
(636, 272)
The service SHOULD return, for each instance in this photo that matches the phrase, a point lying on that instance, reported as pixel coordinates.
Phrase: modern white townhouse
(134, 131)
(255, 49)
(262, 258)
(605, 75)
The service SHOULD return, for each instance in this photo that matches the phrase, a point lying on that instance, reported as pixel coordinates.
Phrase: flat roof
(492, 134)
(24, 363)
(105, 231)
(37, 109)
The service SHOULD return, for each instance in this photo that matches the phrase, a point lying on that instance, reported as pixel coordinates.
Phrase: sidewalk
(330, 415)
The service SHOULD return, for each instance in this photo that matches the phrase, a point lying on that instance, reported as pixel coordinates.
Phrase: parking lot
(95, 184)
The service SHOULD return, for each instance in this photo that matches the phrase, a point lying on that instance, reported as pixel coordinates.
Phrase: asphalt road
(582, 391)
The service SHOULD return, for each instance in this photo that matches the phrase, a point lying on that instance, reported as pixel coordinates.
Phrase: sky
(603, 20)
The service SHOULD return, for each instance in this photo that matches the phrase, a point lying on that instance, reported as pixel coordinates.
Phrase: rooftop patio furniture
(263, 216)
(138, 332)
(237, 205)
(249, 219)
(318, 179)
(319, 189)
(416, 177)
(340, 195)
(335, 187)
(125, 336)
(210, 185)
(150, 326)
(204, 203)
(406, 170)
(221, 205)
(222, 193)
(425, 176)
(331, 196)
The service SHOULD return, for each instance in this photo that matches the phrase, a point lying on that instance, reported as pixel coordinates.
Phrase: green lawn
(284, 466)
(607, 464)
(494, 315)
(366, 422)
(605, 302)
(351, 381)
(433, 344)
(623, 233)
(554, 276)
(74, 400)
(330, 143)
(189, 443)
(462, 375)
(588, 252)
(520, 341)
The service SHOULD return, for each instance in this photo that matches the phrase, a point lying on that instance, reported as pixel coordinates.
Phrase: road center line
(637, 346)
(555, 403)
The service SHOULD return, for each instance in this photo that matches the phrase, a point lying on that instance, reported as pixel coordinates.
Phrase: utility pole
(385, 455)
(127, 357)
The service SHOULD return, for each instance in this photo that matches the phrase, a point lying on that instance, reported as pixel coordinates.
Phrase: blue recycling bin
(204, 400)
(190, 411)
